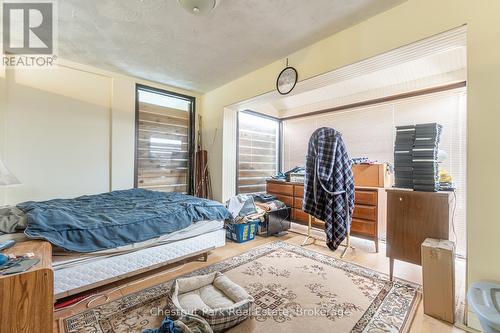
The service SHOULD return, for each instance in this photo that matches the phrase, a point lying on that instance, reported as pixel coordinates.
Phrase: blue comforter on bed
(97, 222)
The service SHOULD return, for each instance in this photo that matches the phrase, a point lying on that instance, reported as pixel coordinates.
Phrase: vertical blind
(258, 140)
(163, 141)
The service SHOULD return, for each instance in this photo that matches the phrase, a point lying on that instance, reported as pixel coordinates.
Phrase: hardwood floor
(363, 254)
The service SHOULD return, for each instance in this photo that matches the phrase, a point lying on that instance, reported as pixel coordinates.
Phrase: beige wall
(3, 105)
(404, 24)
(68, 131)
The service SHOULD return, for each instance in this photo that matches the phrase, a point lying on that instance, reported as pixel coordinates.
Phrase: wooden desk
(27, 299)
(412, 217)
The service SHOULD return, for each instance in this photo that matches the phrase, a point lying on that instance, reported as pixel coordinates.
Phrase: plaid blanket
(329, 184)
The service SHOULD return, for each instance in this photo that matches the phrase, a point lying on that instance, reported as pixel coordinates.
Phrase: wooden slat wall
(257, 156)
(162, 148)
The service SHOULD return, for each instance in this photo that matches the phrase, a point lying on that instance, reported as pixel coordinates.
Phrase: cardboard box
(438, 270)
(372, 175)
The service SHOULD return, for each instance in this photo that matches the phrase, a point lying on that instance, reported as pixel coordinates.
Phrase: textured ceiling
(157, 40)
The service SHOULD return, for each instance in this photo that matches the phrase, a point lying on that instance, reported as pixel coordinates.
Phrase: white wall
(68, 131)
(3, 106)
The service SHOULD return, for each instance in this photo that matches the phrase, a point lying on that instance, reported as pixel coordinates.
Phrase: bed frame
(187, 258)
(205, 243)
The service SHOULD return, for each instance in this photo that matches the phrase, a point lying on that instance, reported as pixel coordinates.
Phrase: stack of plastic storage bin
(403, 156)
(425, 156)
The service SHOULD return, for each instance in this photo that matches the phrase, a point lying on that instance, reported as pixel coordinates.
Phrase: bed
(76, 272)
(104, 238)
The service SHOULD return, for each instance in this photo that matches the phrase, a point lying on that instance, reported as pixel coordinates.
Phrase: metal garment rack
(346, 246)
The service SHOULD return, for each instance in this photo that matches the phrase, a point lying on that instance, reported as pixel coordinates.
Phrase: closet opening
(370, 102)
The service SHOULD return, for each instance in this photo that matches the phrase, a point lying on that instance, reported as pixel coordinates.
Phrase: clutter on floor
(277, 217)
(276, 222)
(243, 209)
(271, 205)
(242, 232)
(184, 324)
(255, 212)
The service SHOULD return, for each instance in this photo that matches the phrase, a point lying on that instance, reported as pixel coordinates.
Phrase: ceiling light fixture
(198, 7)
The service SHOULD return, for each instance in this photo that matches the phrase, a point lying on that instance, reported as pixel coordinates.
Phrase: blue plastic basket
(241, 233)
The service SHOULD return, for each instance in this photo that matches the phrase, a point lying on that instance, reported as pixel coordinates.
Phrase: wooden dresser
(411, 218)
(27, 299)
(368, 210)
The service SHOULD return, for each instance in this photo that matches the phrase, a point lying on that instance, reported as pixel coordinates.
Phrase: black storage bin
(276, 221)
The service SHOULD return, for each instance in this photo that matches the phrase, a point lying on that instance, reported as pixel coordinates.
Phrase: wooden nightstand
(27, 299)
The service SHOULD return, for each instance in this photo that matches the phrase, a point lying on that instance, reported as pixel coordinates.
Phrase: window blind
(370, 132)
(258, 139)
(163, 140)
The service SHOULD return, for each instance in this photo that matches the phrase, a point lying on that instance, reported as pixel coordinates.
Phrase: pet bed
(215, 298)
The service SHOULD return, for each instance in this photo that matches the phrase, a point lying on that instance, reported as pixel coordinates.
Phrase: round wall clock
(287, 80)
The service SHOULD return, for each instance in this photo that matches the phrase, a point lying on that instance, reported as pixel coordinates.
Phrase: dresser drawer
(287, 200)
(365, 212)
(365, 228)
(298, 191)
(275, 188)
(300, 215)
(297, 203)
(318, 223)
(366, 197)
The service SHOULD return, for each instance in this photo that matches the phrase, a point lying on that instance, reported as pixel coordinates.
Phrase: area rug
(295, 290)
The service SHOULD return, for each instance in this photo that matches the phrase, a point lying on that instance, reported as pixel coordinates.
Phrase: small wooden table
(27, 298)
(412, 217)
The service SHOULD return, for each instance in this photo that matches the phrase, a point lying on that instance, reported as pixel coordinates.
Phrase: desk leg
(391, 267)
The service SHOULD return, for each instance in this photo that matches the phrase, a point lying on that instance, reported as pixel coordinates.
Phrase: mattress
(62, 258)
(98, 222)
(70, 278)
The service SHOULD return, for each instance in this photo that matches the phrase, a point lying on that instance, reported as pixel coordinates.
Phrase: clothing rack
(346, 246)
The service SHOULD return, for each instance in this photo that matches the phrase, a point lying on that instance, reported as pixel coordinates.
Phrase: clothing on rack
(329, 184)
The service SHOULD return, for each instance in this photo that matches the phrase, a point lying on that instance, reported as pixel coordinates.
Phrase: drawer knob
(400, 199)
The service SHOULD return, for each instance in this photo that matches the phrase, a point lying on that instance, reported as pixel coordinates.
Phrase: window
(164, 140)
(258, 151)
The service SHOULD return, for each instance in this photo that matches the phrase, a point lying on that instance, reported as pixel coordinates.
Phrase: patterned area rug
(295, 290)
